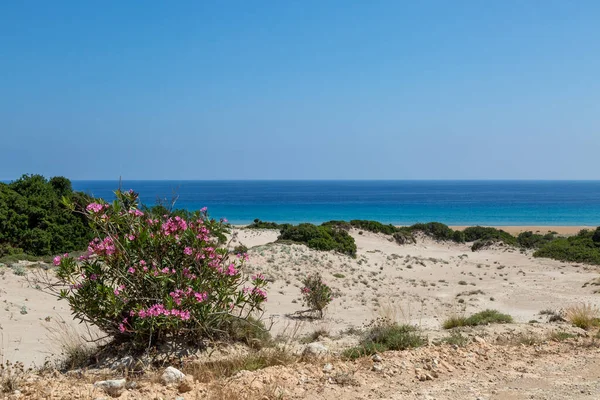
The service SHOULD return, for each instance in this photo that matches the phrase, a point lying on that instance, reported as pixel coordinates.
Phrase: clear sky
(300, 89)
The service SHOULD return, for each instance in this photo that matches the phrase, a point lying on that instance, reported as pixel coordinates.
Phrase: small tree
(146, 278)
(316, 294)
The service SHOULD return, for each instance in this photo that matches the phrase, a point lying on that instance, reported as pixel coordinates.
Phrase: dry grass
(75, 349)
(213, 370)
(583, 315)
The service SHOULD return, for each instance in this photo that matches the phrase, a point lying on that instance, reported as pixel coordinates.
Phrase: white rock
(327, 367)
(315, 349)
(376, 358)
(377, 367)
(172, 376)
(112, 387)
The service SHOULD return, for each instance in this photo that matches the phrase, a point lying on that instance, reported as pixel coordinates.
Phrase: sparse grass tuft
(584, 315)
(480, 318)
(456, 338)
(384, 336)
(560, 336)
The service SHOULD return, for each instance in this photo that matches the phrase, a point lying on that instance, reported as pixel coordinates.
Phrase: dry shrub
(583, 315)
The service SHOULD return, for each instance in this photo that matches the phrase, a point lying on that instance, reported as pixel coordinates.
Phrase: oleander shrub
(316, 294)
(147, 279)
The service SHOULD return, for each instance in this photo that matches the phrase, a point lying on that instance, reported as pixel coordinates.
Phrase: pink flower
(131, 270)
(136, 212)
(131, 237)
(187, 251)
(56, 260)
(200, 297)
(203, 209)
(95, 207)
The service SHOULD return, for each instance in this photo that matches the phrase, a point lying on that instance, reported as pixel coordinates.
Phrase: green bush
(34, 220)
(435, 230)
(404, 237)
(384, 336)
(530, 240)
(474, 233)
(320, 238)
(338, 224)
(148, 280)
(258, 224)
(578, 248)
(373, 226)
(596, 236)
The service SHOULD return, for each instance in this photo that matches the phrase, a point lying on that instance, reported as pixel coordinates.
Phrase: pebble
(172, 376)
(327, 367)
(377, 358)
(112, 387)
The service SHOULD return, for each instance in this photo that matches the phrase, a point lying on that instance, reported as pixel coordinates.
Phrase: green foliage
(530, 240)
(148, 280)
(596, 236)
(480, 318)
(316, 294)
(258, 224)
(482, 244)
(338, 224)
(320, 238)
(34, 220)
(578, 248)
(436, 230)
(474, 233)
(404, 237)
(384, 336)
(373, 226)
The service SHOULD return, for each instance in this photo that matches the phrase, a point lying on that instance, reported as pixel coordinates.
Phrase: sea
(497, 203)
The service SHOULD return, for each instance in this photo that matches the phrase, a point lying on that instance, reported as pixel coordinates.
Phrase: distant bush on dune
(258, 224)
(530, 240)
(320, 237)
(34, 221)
(474, 233)
(583, 247)
(373, 226)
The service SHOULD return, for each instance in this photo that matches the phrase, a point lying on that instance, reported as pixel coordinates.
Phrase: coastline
(516, 229)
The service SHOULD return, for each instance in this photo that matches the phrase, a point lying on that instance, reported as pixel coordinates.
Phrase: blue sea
(396, 202)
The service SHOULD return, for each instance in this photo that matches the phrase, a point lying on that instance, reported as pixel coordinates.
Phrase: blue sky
(300, 89)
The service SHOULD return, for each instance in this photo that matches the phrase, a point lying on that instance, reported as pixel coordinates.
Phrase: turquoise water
(397, 202)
